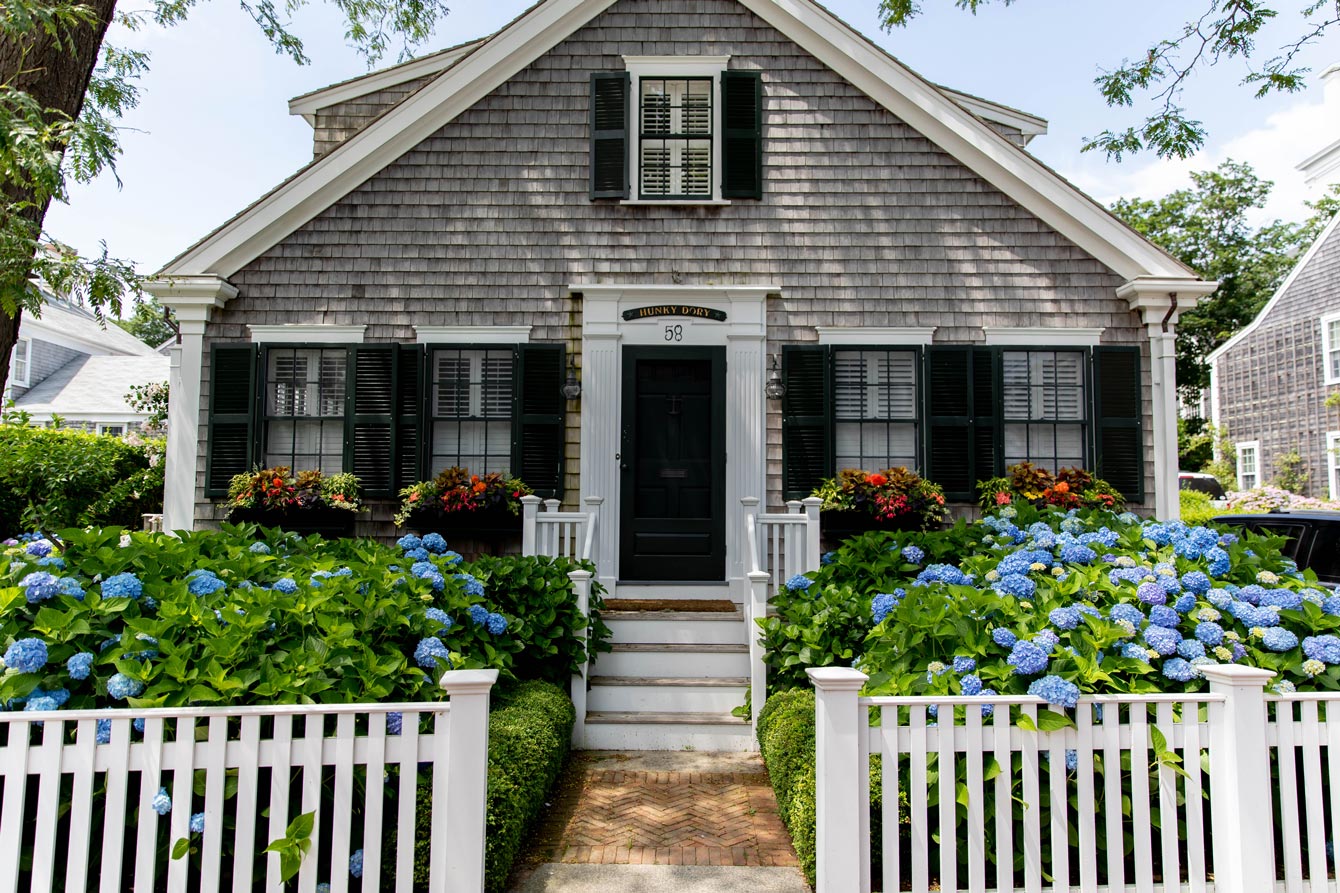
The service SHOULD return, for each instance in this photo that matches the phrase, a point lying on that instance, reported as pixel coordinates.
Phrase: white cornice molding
(1027, 124)
(911, 98)
(678, 66)
(472, 334)
(1160, 299)
(1040, 336)
(311, 103)
(192, 298)
(876, 335)
(614, 292)
(307, 333)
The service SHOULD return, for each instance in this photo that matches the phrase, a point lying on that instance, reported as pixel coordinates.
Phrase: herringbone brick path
(630, 816)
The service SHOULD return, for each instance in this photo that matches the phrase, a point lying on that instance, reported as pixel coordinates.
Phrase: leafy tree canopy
(151, 322)
(1206, 226)
(1222, 31)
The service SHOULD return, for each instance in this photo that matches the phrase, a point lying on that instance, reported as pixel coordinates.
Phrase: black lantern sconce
(572, 388)
(775, 388)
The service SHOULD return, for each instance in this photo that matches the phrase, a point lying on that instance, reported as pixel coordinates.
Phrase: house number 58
(674, 333)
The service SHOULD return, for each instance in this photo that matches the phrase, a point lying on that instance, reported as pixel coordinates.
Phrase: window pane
(671, 160)
(304, 408)
(1043, 385)
(471, 405)
(875, 408)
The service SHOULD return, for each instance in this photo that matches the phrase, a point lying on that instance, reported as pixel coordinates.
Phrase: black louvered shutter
(537, 418)
(232, 402)
(807, 422)
(371, 421)
(988, 431)
(408, 415)
(951, 446)
(609, 134)
(742, 140)
(1118, 436)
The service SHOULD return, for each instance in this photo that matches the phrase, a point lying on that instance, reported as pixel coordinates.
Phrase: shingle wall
(336, 123)
(864, 222)
(1271, 386)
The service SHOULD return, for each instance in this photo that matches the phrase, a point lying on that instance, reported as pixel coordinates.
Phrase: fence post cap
(748, 500)
(836, 678)
(580, 575)
(1232, 674)
(593, 500)
(812, 500)
(758, 576)
(468, 682)
(532, 499)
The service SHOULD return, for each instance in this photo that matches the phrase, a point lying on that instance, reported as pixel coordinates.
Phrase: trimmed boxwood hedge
(786, 740)
(530, 729)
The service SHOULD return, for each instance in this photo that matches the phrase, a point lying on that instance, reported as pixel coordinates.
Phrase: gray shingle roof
(91, 386)
(76, 322)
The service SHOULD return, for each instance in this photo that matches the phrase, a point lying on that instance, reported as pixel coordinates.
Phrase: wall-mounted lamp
(775, 388)
(572, 388)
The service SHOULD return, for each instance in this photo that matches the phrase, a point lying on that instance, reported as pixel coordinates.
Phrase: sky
(212, 132)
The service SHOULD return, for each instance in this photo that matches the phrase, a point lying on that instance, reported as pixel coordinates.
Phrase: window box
(331, 523)
(494, 522)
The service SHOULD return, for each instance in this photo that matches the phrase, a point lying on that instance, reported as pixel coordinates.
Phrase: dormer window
(676, 130)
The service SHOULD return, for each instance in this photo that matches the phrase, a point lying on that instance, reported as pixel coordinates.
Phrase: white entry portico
(672, 316)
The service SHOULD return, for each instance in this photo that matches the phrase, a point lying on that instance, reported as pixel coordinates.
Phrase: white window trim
(1327, 347)
(472, 334)
(657, 67)
(876, 336)
(1333, 463)
(307, 334)
(1255, 447)
(102, 426)
(1040, 337)
(15, 380)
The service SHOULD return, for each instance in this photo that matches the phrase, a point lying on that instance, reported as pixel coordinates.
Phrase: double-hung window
(676, 129)
(20, 362)
(1330, 348)
(1249, 465)
(961, 414)
(392, 414)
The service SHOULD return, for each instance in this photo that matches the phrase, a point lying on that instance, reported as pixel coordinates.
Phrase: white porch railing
(566, 535)
(250, 763)
(777, 547)
(993, 806)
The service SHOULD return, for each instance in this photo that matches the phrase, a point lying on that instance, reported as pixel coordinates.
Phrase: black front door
(673, 489)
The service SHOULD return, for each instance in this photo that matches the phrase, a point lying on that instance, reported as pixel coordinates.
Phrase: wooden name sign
(675, 310)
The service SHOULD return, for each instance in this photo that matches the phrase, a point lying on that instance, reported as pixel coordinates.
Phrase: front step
(677, 627)
(621, 730)
(689, 591)
(674, 660)
(639, 694)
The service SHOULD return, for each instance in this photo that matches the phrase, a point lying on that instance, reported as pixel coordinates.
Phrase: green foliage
(153, 399)
(1208, 228)
(50, 479)
(539, 594)
(1195, 443)
(529, 733)
(1291, 471)
(151, 322)
(1195, 507)
(293, 846)
(1219, 33)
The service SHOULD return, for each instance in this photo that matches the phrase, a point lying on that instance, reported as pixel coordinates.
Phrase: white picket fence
(990, 805)
(83, 810)
(777, 547)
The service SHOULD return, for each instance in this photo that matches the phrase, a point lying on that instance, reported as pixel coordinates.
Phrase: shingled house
(684, 206)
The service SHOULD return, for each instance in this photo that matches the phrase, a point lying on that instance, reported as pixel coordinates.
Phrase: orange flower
(414, 497)
(1062, 487)
(479, 486)
(1002, 499)
(877, 480)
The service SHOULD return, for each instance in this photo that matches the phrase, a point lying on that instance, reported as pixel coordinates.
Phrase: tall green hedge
(786, 740)
(529, 732)
(54, 478)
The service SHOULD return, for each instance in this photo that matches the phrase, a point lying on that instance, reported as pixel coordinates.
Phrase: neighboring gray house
(68, 364)
(1269, 382)
(675, 202)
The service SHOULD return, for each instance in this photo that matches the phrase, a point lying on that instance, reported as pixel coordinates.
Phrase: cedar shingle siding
(1271, 384)
(863, 222)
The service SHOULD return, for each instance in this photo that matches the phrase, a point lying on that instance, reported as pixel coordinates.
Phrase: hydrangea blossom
(419, 554)
(435, 543)
(1003, 637)
(799, 581)
(1179, 670)
(103, 731)
(1055, 690)
(395, 723)
(1162, 615)
(409, 542)
(1197, 582)
(964, 665)
(1046, 639)
(913, 554)
(450, 558)
(1277, 638)
(1129, 613)
(287, 585)
(883, 604)
(1190, 649)
(1323, 648)
(26, 655)
(942, 573)
(71, 587)
(1065, 618)
(495, 624)
(1078, 554)
(1185, 603)
(356, 860)
(1151, 594)
(441, 618)
(205, 584)
(1313, 668)
(162, 803)
(38, 548)
(122, 686)
(1017, 585)
(475, 588)
(1220, 563)
(971, 685)
(1027, 659)
(827, 558)
(52, 561)
(429, 651)
(39, 586)
(80, 665)
(257, 549)
(1162, 639)
(122, 586)
(198, 823)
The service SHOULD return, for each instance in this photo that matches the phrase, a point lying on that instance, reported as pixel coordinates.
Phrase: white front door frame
(604, 332)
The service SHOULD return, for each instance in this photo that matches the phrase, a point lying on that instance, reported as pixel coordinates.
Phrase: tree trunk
(57, 76)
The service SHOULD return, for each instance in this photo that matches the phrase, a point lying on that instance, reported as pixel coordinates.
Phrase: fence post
(812, 556)
(530, 507)
(838, 723)
(593, 504)
(1240, 810)
(457, 860)
(581, 587)
(759, 582)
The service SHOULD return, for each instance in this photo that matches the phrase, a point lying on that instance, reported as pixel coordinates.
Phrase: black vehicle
(1314, 538)
(1205, 483)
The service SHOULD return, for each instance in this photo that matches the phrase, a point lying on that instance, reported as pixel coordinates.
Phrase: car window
(1324, 556)
(1278, 528)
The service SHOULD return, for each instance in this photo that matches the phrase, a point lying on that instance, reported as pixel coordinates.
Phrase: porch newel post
(193, 299)
(581, 588)
(530, 507)
(1240, 808)
(593, 504)
(838, 723)
(812, 555)
(456, 859)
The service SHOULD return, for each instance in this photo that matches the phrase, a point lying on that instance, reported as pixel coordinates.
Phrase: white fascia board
(1039, 336)
(1279, 292)
(615, 291)
(298, 333)
(876, 335)
(914, 100)
(309, 104)
(409, 123)
(1318, 167)
(1029, 125)
(472, 334)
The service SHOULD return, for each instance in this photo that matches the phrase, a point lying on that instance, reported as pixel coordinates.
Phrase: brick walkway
(628, 815)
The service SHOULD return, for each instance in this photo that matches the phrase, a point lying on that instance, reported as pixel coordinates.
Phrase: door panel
(673, 476)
